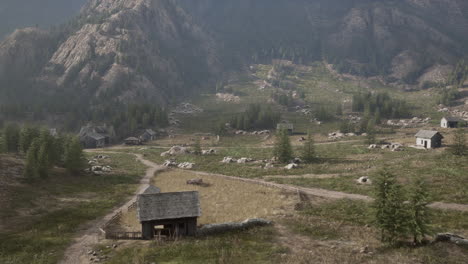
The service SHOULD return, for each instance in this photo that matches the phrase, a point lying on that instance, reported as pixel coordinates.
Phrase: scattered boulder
(228, 160)
(208, 152)
(106, 168)
(196, 181)
(175, 151)
(301, 139)
(268, 166)
(96, 168)
(372, 146)
(244, 160)
(186, 165)
(170, 164)
(291, 166)
(229, 98)
(364, 180)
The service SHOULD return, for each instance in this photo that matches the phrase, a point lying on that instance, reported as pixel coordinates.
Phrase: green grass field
(46, 214)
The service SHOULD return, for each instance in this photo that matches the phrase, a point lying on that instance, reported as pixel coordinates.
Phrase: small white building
(450, 122)
(429, 139)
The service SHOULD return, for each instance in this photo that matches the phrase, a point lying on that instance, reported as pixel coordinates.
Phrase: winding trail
(330, 194)
(90, 234)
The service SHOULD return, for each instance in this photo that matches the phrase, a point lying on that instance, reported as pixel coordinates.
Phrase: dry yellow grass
(224, 200)
(228, 200)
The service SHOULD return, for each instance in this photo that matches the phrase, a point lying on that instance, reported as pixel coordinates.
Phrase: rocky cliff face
(134, 50)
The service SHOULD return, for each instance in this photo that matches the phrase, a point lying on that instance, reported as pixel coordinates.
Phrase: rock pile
(409, 122)
(175, 151)
(339, 135)
(100, 169)
(209, 152)
(229, 98)
(186, 165)
(187, 109)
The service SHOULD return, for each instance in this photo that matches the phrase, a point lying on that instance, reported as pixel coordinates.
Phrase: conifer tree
(370, 138)
(390, 213)
(27, 136)
(197, 150)
(43, 160)
(283, 150)
(419, 215)
(459, 147)
(308, 151)
(31, 170)
(11, 137)
(74, 158)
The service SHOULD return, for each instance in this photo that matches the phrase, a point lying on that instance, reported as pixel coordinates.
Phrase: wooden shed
(285, 126)
(93, 140)
(176, 212)
(429, 139)
(450, 122)
(148, 135)
(132, 141)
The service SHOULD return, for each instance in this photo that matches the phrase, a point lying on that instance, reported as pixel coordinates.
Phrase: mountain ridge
(157, 50)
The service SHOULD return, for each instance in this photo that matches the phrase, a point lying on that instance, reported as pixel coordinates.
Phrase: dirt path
(89, 235)
(331, 194)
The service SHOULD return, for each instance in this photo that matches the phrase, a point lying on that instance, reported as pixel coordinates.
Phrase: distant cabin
(93, 140)
(176, 212)
(450, 122)
(92, 136)
(148, 135)
(285, 126)
(429, 139)
(132, 141)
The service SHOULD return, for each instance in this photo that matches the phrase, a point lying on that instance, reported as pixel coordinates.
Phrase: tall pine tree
(390, 214)
(308, 150)
(283, 150)
(74, 158)
(459, 147)
(419, 214)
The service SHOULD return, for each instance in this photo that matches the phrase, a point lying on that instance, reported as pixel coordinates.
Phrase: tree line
(42, 150)
(380, 104)
(256, 117)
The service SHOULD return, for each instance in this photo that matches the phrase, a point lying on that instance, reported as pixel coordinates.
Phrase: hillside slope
(158, 51)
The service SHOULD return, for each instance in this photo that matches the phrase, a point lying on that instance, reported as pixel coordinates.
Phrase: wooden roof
(452, 119)
(163, 206)
(152, 190)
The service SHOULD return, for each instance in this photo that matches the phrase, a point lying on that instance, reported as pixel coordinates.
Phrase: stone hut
(429, 139)
(176, 212)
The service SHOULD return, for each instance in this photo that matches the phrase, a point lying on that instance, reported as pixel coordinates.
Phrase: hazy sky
(23, 13)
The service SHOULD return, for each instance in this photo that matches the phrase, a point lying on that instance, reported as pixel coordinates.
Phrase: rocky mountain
(156, 50)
